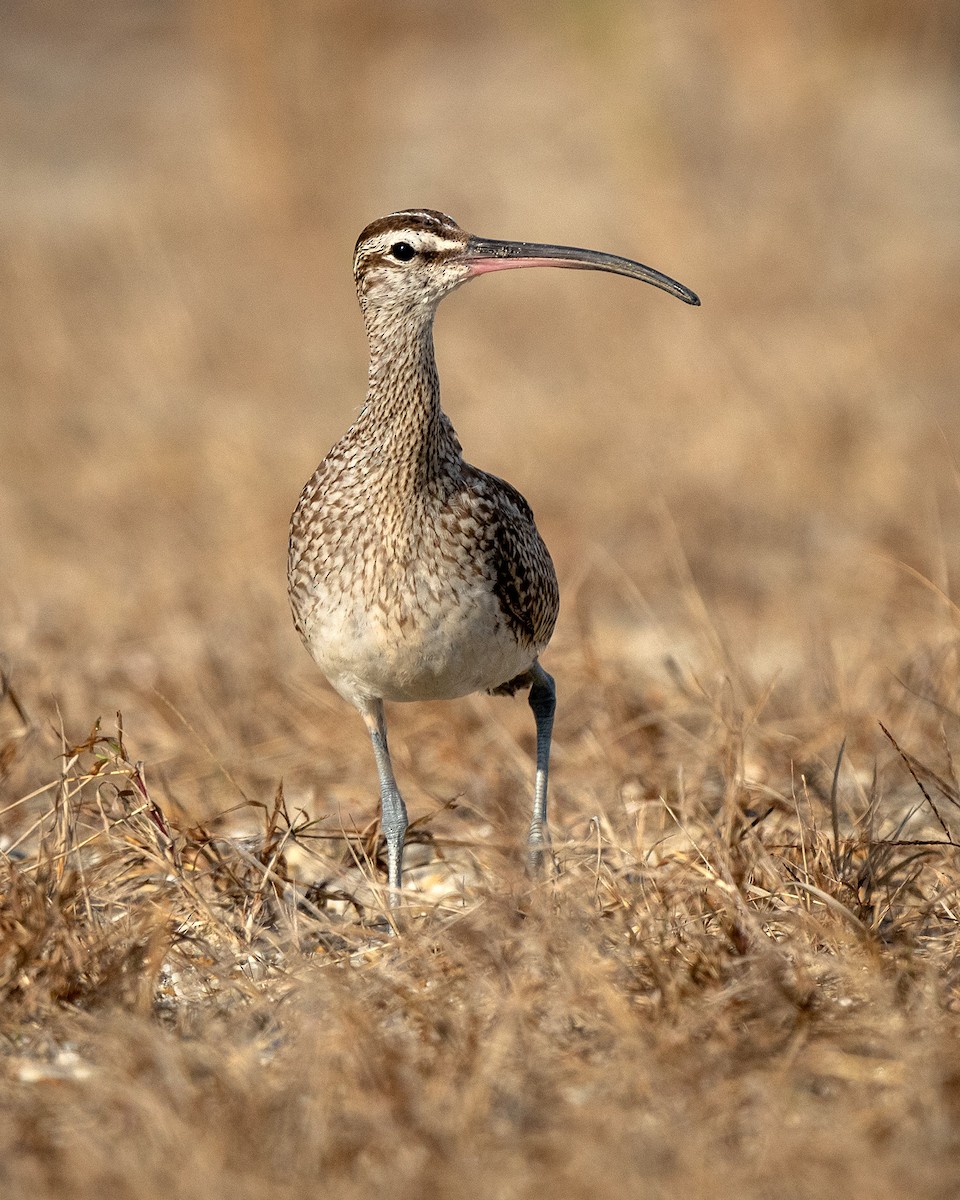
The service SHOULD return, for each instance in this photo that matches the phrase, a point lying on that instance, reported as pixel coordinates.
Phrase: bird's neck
(406, 434)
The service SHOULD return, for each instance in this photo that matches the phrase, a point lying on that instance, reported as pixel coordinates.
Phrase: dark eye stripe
(368, 255)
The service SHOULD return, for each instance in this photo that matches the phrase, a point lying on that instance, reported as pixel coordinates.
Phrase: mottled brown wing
(518, 562)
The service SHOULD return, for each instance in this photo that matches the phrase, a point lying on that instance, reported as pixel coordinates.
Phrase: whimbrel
(414, 575)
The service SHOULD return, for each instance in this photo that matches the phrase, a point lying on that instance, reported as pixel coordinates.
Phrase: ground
(740, 978)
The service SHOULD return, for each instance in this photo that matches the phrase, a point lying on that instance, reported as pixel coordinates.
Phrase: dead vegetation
(741, 986)
(742, 977)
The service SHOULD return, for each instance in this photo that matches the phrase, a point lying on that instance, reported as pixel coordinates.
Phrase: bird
(412, 574)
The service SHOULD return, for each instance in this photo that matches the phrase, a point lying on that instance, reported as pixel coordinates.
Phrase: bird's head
(408, 261)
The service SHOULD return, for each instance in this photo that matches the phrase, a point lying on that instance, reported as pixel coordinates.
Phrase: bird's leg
(543, 701)
(393, 812)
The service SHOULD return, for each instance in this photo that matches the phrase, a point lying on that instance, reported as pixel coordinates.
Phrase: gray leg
(393, 812)
(543, 701)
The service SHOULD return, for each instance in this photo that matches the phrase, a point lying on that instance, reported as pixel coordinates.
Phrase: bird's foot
(540, 858)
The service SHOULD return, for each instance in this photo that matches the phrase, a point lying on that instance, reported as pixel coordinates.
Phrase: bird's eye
(402, 251)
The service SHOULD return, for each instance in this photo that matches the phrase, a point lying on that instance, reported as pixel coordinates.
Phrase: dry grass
(742, 979)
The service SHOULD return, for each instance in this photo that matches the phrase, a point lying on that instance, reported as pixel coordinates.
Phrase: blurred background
(763, 488)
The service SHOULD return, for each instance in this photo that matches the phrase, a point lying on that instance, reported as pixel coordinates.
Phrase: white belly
(432, 647)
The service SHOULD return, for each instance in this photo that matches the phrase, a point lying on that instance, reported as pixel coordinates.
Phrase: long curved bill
(487, 254)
